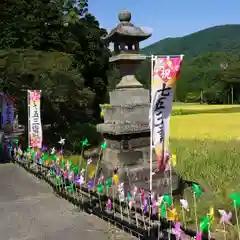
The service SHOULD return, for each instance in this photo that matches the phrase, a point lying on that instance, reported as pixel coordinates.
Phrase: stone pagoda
(126, 120)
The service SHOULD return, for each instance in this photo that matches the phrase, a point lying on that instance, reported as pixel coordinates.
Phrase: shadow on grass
(183, 111)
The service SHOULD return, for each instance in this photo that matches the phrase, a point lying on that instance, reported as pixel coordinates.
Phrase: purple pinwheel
(145, 206)
(52, 165)
(90, 185)
(154, 207)
(38, 154)
(225, 217)
(177, 230)
(79, 180)
(58, 172)
(60, 152)
(44, 149)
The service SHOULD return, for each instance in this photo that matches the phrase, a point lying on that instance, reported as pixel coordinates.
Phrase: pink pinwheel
(177, 230)
(131, 202)
(70, 175)
(225, 217)
(109, 204)
(65, 174)
(199, 236)
(134, 191)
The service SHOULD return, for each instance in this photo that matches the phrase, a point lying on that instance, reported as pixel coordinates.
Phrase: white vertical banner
(165, 72)
(34, 119)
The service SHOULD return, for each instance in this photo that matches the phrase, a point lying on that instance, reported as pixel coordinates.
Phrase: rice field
(207, 145)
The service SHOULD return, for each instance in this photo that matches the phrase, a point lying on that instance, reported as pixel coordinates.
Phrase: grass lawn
(207, 146)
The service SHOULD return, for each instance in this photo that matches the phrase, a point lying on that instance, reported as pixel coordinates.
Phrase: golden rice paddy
(206, 140)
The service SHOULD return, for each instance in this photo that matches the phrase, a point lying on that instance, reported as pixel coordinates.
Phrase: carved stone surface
(131, 95)
(129, 113)
(128, 144)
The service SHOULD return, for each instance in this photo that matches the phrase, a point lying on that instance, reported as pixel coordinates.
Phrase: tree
(56, 48)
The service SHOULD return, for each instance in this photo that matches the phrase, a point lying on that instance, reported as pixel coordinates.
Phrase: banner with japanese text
(164, 75)
(7, 110)
(34, 119)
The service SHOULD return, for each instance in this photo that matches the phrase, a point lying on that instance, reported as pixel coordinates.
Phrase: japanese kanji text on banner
(34, 119)
(165, 73)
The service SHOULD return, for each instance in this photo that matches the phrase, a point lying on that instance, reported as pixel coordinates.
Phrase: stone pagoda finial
(124, 16)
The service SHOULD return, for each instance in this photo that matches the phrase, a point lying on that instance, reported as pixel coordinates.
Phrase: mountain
(224, 38)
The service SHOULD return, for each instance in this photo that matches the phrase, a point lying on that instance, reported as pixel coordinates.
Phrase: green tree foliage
(55, 46)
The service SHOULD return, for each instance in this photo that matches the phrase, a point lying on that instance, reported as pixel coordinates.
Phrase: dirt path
(29, 210)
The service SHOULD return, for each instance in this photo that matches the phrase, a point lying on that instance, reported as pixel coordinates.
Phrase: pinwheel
(53, 150)
(177, 230)
(236, 199)
(84, 142)
(225, 220)
(62, 141)
(184, 204)
(225, 217)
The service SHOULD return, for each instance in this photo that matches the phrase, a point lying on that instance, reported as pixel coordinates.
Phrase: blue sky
(174, 18)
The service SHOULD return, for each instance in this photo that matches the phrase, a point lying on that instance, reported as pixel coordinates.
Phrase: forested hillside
(215, 39)
(203, 77)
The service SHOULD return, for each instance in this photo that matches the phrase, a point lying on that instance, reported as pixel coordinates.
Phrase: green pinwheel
(58, 180)
(109, 182)
(104, 145)
(63, 164)
(84, 142)
(52, 172)
(197, 190)
(236, 199)
(167, 199)
(100, 188)
(75, 170)
(71, 188)
(163, 210)
(204, 224)
(54, 157)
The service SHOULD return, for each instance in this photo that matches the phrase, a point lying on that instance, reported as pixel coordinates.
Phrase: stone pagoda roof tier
(126, 30)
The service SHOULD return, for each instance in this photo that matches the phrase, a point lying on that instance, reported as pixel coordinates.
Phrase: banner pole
(28, 111)
(151, 127)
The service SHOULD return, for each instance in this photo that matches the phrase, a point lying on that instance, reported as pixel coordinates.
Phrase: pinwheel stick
(100, 202)
(149, 228)
(121, 211)
(96, 169)
(184, 218)
(143, 219)
(136, 215)
(236, 214)
(113, 193)
(195, 210)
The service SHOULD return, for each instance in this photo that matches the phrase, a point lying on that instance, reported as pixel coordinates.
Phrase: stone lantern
(126, 120)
